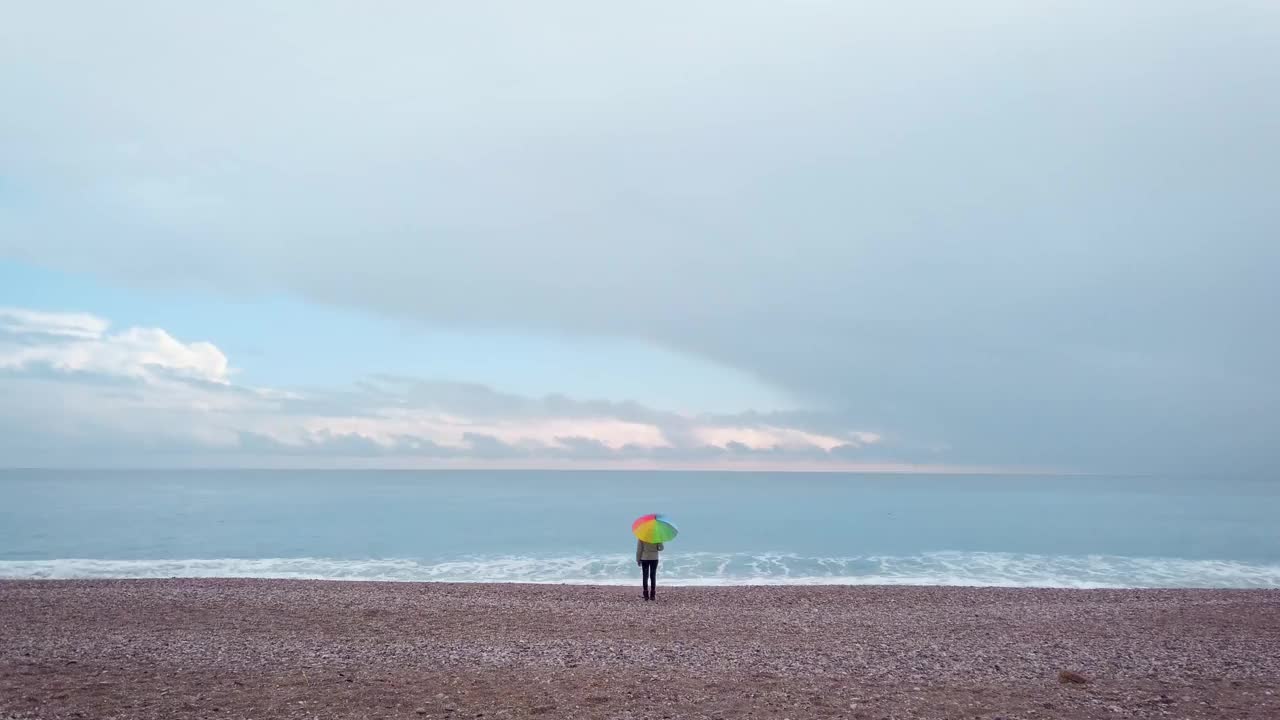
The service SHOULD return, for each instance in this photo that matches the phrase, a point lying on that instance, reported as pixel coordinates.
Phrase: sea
(573, 527)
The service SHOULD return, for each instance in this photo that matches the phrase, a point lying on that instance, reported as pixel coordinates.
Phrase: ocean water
(574, 527)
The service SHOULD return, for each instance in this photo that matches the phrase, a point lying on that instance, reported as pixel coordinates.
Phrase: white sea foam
(934, 568)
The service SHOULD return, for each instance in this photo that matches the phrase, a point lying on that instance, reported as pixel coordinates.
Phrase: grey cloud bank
(1001, 233)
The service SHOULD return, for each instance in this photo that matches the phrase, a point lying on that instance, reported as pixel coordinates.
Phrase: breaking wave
(991, 569)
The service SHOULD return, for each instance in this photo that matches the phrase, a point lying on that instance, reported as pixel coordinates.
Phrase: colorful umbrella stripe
(654, 528)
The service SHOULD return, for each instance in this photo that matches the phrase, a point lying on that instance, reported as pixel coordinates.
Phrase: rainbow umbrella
(654, 528)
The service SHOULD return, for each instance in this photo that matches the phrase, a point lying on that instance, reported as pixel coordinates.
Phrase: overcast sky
(990, 235)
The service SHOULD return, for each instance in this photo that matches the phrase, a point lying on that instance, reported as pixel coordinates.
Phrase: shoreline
(260, 648)
(698, 569)
(803, 583)
(806, 583)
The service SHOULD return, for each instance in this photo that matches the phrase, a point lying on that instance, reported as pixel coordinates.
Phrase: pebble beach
(225, 648)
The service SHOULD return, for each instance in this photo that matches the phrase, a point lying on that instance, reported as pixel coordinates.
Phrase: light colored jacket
(647, 551)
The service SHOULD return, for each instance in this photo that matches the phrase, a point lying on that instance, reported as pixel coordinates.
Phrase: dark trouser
(649, 577)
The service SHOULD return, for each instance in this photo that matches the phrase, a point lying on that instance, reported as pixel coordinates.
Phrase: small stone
(1067, 676)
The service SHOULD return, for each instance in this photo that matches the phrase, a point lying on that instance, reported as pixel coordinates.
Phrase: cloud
(72, 389)
(1024, 233)
(79, 342)
(772, 437)
(16, 322)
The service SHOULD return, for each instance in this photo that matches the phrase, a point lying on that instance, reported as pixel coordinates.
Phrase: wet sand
(308, 649)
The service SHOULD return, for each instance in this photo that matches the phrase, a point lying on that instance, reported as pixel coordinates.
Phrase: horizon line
(736, 469)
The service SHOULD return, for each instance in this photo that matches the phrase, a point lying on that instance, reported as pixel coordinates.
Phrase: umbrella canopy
(654, 528)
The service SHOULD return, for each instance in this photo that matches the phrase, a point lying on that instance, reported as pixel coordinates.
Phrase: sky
(927, 237)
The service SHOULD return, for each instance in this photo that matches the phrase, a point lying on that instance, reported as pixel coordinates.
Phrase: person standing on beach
(647, 559)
